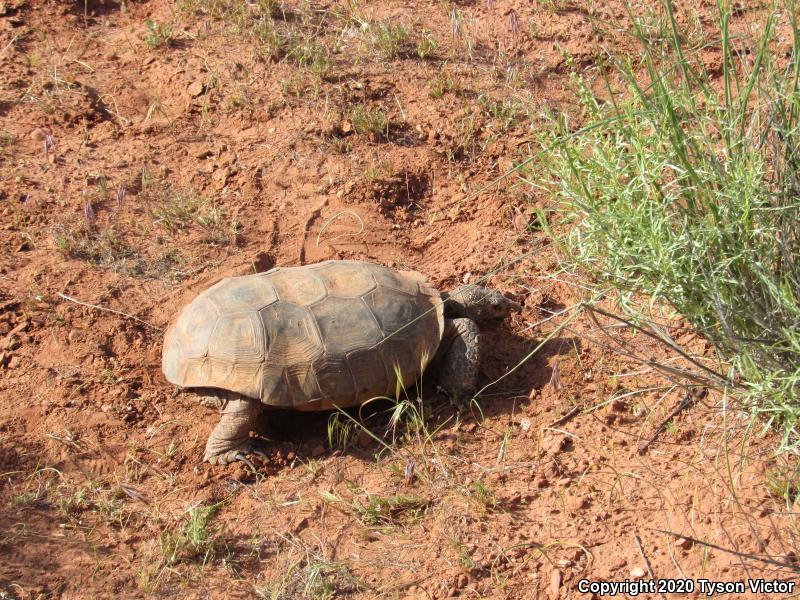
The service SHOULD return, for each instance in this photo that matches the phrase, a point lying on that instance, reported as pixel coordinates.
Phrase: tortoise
(321, 336)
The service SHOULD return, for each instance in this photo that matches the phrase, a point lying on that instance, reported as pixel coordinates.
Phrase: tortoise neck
(453, 308)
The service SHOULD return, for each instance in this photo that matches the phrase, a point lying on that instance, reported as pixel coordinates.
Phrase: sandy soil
(150, 148)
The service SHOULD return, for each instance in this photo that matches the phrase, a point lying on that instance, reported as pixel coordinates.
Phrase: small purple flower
(513, 22)
(88, 212)
(455, 24)
(555, 379)
(49, 143)
(120, 196)
(410, 467)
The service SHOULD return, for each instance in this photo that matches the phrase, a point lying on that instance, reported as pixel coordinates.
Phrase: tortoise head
(478, 303)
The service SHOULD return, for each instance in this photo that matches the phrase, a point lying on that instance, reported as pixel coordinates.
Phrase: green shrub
(687, 189)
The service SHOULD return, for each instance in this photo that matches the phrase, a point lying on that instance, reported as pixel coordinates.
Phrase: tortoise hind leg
(230, 440)
(458, 366)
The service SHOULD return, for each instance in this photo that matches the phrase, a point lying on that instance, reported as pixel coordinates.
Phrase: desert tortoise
(332, 334)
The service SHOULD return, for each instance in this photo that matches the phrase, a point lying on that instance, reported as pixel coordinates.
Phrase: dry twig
(109, 310)
(646, 561)
(691, 396)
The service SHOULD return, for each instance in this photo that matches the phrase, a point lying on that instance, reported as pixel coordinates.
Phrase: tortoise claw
(241, 457)
(238, 454)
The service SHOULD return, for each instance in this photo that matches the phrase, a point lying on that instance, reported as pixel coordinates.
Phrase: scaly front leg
(230, 440)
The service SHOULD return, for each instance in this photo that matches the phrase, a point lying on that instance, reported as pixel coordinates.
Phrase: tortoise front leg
(458, 366)
(230, 439)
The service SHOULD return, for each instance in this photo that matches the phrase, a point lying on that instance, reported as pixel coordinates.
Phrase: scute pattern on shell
(331, 334)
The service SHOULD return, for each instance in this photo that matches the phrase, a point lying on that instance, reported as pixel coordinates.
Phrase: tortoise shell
(335, 333)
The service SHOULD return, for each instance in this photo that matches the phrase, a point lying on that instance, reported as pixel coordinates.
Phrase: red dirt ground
(247, 136)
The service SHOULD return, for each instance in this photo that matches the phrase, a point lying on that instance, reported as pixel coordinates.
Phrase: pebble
(579, 503)
(637, 572)
(555, 583)
(195, 89)
(318, 451)
(684, 543)
(619, 405)
(220, 177)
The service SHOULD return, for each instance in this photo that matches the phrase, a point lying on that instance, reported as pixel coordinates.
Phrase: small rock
(299, 524)
(684, 543)
(555, 583)
(220, 178)
(577, 503)
(318, 451)
(618, 564)
(39, 134)
(20, 327)
(553, 445)
(525, 424)
(619, 405)
(106, 408)
(15, 362)
(240, 472)
(74, 336)
(521, 222)
(637, 572)
(195, 89)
